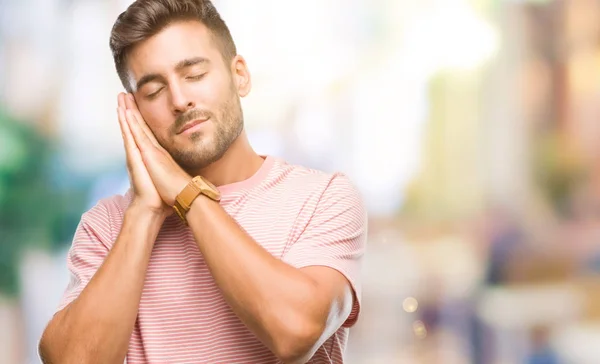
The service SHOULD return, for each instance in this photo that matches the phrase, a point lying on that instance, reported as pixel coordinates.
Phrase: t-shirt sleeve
(87, 252)
(335, 237)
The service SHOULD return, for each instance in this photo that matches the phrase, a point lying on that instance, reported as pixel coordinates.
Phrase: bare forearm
(276, 301)
(97, 325)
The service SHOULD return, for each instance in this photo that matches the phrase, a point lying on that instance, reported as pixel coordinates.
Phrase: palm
(163, 173)
(142, 183)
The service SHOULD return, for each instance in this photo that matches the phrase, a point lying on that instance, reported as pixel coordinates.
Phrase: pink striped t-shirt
(301, 216)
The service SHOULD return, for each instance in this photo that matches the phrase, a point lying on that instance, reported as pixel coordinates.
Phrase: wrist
(138, 211)
(200, 207)
(196, 192)
(141, 225)
(178, 186)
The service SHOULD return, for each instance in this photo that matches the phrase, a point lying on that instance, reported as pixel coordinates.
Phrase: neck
(239, 163)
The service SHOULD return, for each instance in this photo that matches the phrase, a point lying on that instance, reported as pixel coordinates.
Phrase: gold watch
(197, 186)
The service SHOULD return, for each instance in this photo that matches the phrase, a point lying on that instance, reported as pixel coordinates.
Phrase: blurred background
(471, 127)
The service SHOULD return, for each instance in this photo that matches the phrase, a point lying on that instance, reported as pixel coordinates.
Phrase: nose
(180, 101)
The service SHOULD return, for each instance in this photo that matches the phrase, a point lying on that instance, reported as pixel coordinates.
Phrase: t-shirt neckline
(252, 181)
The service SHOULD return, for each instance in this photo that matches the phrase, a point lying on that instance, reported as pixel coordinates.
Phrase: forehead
(161, 52)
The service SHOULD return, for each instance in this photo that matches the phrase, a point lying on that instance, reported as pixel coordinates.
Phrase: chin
(197, 136)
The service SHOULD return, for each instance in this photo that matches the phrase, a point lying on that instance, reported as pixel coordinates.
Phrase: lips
(191, 124)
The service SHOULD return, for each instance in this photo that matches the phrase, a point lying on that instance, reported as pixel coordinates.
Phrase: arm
(292, 311)
(96, 326)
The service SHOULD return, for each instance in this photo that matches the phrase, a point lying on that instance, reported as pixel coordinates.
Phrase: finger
(132, 105)
(121, 100)
(140, 138)
(132, 153)
(128, 140)
(130, 102)
(149, 135)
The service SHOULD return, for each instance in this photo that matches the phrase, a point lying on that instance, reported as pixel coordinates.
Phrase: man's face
(187, 94)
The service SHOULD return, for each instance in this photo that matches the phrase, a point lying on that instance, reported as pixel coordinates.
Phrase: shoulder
(105, 218)
(314, 184)
(335, 182)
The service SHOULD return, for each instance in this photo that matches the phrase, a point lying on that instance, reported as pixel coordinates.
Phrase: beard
(202, 148)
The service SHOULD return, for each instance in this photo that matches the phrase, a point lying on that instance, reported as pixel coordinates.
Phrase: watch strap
(197, 186)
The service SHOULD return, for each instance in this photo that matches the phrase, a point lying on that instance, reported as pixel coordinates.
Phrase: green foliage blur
(34, 212)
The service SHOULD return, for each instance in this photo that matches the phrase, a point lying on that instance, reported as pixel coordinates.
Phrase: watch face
(212, 194)
(211, 185)
(209, 189)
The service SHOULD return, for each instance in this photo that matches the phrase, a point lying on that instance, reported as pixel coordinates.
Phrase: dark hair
(145, 18)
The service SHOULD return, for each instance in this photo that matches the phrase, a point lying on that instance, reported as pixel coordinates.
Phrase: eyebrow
(190, 62)
(178, 67)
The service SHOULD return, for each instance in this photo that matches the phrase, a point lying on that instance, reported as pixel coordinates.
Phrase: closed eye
(155, 93)
(196, 77)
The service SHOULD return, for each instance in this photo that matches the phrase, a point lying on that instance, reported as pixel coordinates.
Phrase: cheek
(158, 118)
(213, 92)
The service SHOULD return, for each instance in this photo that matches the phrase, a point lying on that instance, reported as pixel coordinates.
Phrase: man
(263, 268)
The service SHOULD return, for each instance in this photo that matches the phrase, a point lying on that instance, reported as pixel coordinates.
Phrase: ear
(241, 75)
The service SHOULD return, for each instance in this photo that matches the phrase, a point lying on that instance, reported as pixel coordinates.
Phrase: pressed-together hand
(157, 179)
(145, 193)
